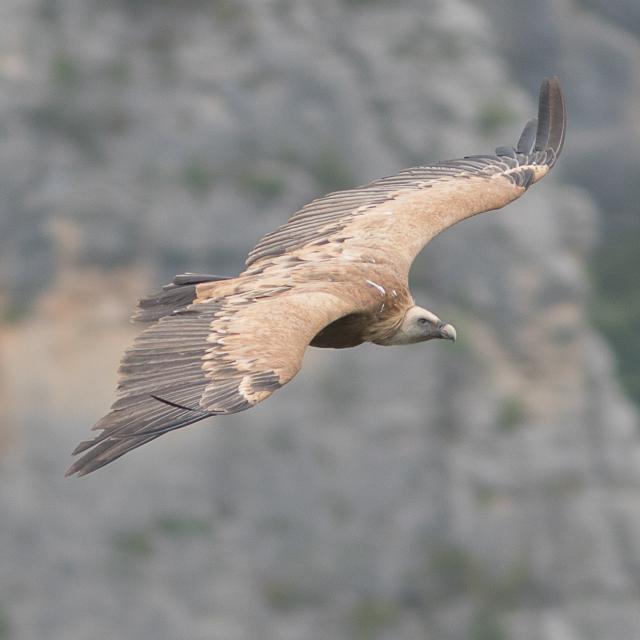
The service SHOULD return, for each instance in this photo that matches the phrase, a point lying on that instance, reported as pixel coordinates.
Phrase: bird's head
(419, 325)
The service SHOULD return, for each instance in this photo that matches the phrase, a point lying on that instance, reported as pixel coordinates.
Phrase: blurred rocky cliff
(487, 490)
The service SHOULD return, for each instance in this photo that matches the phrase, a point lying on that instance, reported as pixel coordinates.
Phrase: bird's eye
(422, 321)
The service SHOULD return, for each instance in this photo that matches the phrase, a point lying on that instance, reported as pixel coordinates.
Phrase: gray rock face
(486, 490)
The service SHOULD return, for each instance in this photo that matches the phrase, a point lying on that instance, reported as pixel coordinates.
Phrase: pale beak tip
(448, 332)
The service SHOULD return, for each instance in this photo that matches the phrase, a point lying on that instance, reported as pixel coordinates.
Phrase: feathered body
(335, 275)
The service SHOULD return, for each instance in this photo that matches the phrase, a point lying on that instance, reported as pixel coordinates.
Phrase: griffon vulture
(335, 275)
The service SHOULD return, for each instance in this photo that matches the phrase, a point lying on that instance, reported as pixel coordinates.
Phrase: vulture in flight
(335, 275)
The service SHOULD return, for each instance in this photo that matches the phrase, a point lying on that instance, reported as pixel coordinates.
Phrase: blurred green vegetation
(63, 114)
(135, 543)
(512, 414)
(282, 439)
(563, 485)
(453, 571)
(65, 71)
(370, 617)
(285, 595)
(139, 542)
(79, 127)
(119, 71)
(456, 569)
(486, 625)
(494, 115)
(227, 11)
(198, 177)
(179, 526)
(14, 311)
(456, 572)
(615, 304)
(331, 171)
(263, 184)
(487, 496)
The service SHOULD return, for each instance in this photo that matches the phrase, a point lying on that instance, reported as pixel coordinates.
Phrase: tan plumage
(334, 275)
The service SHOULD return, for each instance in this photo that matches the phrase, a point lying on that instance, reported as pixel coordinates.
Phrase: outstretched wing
(213, 357)
(399, 214)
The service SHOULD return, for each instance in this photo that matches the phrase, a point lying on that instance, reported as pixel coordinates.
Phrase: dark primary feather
(177, 295)
(165, 362)
(527, 138)
(552, 119)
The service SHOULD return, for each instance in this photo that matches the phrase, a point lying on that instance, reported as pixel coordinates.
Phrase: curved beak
(448, 332)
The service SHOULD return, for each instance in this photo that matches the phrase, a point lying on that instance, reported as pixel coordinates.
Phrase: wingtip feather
(552, 118)
(527, 137)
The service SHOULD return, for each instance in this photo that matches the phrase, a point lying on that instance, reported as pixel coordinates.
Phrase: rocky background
(487, 490)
